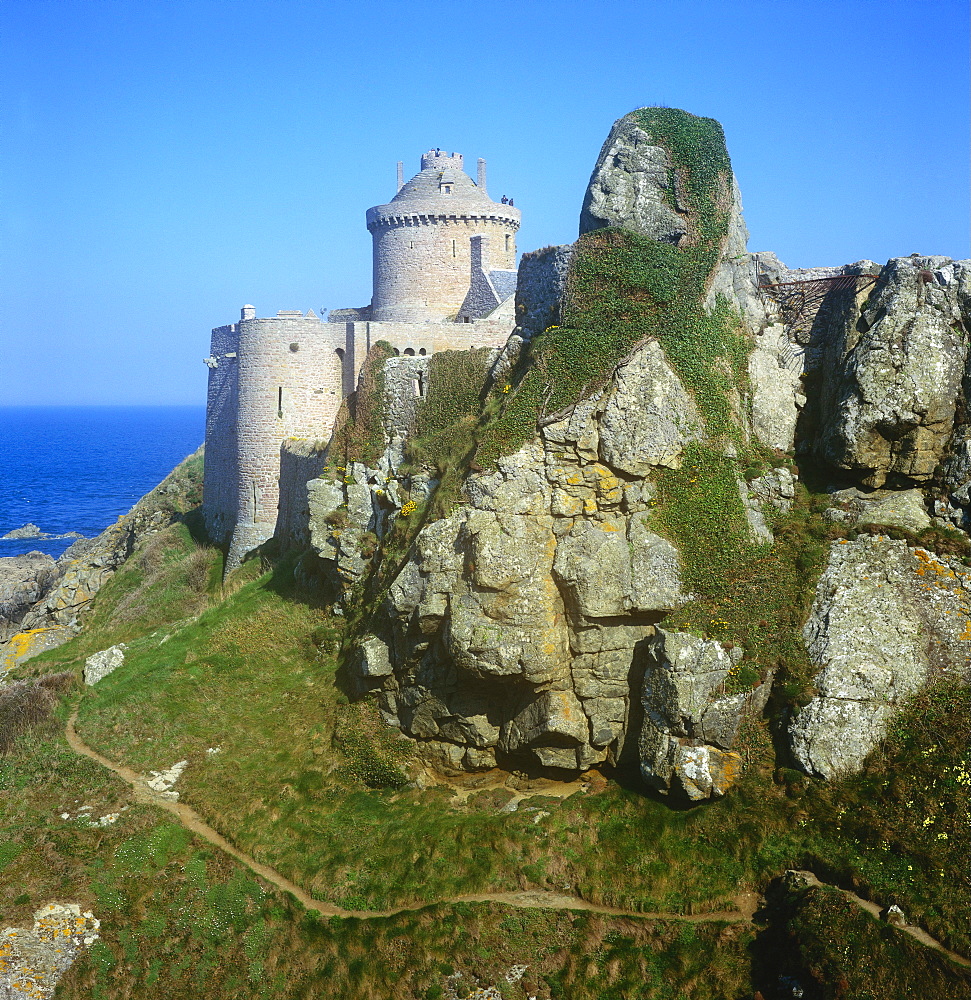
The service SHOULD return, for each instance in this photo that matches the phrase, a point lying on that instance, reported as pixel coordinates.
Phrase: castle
(444, 277)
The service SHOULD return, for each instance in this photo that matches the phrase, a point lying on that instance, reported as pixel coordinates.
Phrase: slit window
(507, 241)
(453, 248)
(279, 402)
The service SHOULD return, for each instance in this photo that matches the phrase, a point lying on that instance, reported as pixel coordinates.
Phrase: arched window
(409, 352)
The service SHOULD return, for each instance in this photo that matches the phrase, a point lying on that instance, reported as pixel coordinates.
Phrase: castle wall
(421, 339)
(220, 475)
(422, 263)
(300, 461)
(290, 385)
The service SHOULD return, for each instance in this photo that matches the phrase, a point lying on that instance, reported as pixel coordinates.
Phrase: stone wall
(422, 262)
(282, 377)
(540, 290)
(219, 484)
(300, 462)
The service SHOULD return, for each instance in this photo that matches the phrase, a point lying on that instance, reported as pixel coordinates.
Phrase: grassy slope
(312, 786)
(291, 785)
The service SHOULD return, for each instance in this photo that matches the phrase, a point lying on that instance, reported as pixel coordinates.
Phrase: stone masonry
(444, 279)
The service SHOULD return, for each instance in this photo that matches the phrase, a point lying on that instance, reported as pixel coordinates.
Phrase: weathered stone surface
(32, 960)
(884, 620)
(22, 646)
(758, 529)
(900, 378)
(24, 580)
(518, 486)
(648, 416)
(372, 659)
(631, 187)
(553, 728)
(776, 489)
(540, 287)
(690, 722)
(616, 566)
(894, 508)
(777, 396)
(98, 665)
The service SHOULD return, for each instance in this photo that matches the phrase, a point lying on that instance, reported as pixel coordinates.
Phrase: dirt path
(528, 899)
(874, 910)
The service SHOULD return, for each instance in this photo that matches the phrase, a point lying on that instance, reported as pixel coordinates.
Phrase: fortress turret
(422, 241)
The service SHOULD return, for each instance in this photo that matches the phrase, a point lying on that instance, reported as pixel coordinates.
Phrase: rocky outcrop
(886, 619)
(892, 372)
(33, 959)
(30, 530)
(89, 562)
(24, 580)
(693, 706)
(632, 186)
(98, 665)
(516, 630)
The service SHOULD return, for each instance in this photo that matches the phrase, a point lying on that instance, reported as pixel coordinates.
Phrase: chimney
(482, 175)
(401, 175)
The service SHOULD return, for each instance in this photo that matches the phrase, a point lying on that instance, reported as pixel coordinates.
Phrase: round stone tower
(422, 241)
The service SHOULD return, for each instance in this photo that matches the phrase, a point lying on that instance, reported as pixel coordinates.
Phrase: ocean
(76, 468)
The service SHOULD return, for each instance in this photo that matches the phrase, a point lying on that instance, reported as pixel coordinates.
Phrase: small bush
(24, 704)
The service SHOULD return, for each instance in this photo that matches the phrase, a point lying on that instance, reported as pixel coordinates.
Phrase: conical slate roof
(442, 187)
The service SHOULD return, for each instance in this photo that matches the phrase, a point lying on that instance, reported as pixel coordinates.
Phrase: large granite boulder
(692, 714)
(885, 620)
(889, 405)
(632, 187)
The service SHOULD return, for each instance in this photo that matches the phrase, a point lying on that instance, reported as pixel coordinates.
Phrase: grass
(312, 786)
(241, 681)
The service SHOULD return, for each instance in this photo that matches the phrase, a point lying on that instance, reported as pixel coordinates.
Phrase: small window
(447, 188)
(453, 248)
(507, 242)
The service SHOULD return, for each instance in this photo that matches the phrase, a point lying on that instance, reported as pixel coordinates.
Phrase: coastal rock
(631, 187)
(24, 580)
(648, 417)
(30, 530)
(616, 566)
(105, 661)
(898, 383)
(893, 508)
(33, 960)
(84, 567)
(884, 621)
(690, 722)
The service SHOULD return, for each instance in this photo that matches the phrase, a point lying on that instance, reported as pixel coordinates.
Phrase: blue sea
(76, 468)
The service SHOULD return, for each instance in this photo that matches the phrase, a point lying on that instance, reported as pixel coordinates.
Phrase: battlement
(438, 159)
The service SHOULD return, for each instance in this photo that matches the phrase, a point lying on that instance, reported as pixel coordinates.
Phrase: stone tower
(444, 279)
(423, 241)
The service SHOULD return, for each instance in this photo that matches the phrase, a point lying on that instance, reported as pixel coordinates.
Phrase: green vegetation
(311, 785)
(870, 961)
(359, 435)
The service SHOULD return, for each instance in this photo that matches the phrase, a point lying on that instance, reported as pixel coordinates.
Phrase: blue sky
(164, 161)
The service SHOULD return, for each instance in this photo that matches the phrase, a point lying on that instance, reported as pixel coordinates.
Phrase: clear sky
(163, 162)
